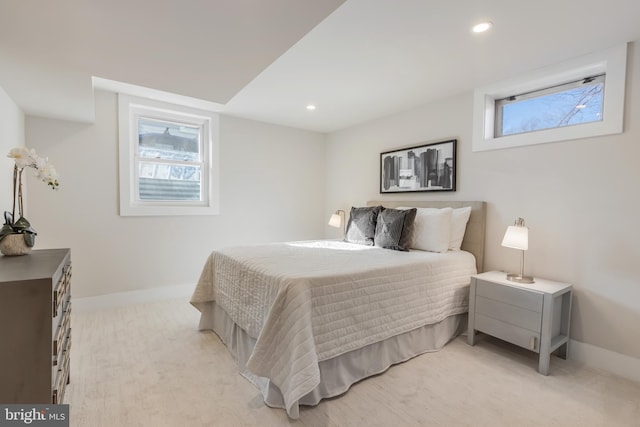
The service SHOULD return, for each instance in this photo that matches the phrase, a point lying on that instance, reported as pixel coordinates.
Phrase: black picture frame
(422, 168)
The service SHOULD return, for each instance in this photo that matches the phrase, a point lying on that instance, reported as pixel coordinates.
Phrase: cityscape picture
(428, 167)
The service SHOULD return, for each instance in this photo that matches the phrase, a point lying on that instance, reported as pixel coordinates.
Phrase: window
(577, 99)
(168, 159)
(563, 105)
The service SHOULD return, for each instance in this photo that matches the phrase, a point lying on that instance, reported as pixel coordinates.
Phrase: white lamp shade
(516, 237)
(335, 220)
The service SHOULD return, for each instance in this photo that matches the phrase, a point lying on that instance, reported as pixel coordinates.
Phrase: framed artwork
(428, 167)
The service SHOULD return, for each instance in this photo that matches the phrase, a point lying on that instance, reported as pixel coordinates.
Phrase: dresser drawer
(61, 372)
(61, 290)
(63, 329)
(62, 336)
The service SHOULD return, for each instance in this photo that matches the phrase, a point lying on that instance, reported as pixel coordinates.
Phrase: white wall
(11, 135)
(272, 187)
(580, 199)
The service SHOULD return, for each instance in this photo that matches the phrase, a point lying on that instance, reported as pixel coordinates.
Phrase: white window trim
(612, 61)
(129, 108)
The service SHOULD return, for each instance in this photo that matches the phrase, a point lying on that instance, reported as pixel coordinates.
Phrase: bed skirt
(339, 373)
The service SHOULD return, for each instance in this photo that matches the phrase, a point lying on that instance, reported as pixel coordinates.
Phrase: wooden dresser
(35, 314)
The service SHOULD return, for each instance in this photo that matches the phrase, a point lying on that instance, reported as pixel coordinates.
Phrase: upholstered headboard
(474, 236)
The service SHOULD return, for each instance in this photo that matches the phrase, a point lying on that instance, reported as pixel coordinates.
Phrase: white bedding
(306, 302)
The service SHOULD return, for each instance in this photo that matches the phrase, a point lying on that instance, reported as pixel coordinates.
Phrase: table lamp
(517, 237)
(338, 219)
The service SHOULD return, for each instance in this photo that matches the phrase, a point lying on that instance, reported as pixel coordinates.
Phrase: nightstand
(533, 316)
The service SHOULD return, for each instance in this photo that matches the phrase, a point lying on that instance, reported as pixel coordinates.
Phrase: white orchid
(26, 158)
(47, 173)
(23, 156)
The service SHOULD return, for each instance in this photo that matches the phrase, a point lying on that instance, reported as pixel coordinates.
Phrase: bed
(306, 320)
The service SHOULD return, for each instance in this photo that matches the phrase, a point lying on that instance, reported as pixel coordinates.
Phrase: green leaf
(8, 218)
(6, 230)
(22, 224)
(29, 239)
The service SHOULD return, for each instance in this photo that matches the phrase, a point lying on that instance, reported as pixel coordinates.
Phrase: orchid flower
(26, 158)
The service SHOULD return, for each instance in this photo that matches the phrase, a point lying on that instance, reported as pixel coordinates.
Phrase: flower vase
(14, 245)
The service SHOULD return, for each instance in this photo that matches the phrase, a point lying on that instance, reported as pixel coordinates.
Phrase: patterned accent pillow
(361, 228)
(394, 229)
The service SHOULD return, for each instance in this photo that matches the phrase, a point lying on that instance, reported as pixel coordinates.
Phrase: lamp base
(519, 278)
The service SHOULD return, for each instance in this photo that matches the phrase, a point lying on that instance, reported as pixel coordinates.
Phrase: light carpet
(148, 365)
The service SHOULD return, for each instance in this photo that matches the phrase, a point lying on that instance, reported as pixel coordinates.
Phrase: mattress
(308, 302)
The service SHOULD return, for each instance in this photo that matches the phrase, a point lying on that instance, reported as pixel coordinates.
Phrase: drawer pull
(532, 343)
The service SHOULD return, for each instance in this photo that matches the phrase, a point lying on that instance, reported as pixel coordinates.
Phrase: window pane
(168, 141)
(581, 104)
(160, 181)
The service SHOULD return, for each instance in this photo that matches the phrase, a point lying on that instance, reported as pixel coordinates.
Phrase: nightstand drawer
(527, 299)
(508, 332)
(508, 313)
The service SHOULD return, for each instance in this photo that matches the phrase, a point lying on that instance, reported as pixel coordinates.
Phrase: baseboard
(140, 296)
(605, 360)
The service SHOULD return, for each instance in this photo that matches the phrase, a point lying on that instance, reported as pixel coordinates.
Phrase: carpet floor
(148, 365)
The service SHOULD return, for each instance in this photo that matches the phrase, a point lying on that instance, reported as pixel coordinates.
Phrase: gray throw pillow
(394, 228)
(361, 228)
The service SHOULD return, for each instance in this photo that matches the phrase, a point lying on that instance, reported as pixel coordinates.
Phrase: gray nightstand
(533, 316)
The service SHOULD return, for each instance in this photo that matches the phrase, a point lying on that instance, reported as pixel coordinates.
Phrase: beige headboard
(474, 236)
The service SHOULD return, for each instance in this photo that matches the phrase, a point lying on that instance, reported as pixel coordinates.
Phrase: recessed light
(482, 27)
(311, 107)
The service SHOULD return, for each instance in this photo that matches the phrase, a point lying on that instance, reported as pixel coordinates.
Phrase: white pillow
(431, 229)
(459, 219)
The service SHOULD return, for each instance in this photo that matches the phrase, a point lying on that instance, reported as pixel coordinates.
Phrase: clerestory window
(567, 104)
(579, 98)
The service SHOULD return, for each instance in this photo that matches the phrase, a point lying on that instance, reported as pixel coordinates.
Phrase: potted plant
(17, 237)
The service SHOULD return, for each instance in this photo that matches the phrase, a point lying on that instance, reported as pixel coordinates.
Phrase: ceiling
(356, 60)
